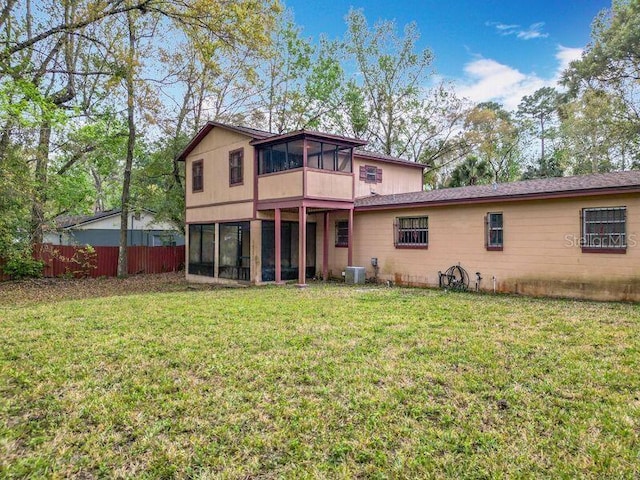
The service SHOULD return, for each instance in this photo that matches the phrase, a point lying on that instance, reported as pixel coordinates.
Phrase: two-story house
(262, 207)
(271, 200)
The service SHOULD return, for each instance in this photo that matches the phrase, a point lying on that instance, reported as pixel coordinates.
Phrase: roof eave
(404, 163)
(91, 220)
(204, 131)
(326, 137)
(505, 198)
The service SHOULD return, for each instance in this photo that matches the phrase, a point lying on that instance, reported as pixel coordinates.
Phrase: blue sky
(492, 49)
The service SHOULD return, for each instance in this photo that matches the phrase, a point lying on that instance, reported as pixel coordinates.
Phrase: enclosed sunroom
(301, 178)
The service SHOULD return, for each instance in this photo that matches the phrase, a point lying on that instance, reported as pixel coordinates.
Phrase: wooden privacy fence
(61, 260)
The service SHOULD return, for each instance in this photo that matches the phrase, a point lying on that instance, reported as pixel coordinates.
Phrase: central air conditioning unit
(354, 275)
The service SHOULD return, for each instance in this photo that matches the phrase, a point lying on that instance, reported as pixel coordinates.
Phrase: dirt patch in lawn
(23, 292)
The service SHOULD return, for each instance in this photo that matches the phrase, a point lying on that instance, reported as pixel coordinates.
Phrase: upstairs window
(236, 158)
(494, 229)
(280, 157)
(342, 233)
(197, 176)
(328, 156)
(370, 174)
(604, 230)
(412, 232)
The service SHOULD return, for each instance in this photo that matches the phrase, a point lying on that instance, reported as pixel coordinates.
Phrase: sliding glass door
(235, 243)
(201, 248)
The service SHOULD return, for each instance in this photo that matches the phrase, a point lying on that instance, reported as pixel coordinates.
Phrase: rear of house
(269, 208)
(574, 237)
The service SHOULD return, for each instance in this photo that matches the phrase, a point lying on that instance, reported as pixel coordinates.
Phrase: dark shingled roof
(65, 221)
(599, 183)
(254, 132)
(251, 132)
(312, 134)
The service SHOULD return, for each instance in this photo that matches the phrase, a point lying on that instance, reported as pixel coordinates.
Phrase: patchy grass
(324, 382)
(27, 292)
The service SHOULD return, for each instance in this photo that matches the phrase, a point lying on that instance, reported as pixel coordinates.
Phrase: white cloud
(503, 28)
(565, 55)
(533, 31)
(489, 80)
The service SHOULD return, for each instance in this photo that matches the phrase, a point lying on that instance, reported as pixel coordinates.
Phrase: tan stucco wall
(395, 178)
(220, 213)
(337, 255)
(331, 185)
(214, 151)
(540, 255)
(280, 185)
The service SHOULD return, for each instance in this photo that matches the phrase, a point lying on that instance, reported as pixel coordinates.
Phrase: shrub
(78, 265)
(23, 266)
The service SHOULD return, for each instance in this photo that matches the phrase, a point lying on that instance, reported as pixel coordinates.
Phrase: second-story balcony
(304, 165)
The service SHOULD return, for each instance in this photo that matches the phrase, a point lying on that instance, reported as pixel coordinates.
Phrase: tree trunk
(541, 139)
(39, 196)
(5, 141)
(131, 143)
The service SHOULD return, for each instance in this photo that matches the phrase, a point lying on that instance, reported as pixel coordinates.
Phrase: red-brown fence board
(60, 260)
(155, 259)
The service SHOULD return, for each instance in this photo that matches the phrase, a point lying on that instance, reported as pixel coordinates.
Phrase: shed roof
(68, 221)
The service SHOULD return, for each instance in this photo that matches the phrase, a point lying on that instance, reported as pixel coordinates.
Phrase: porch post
(278, 258)
(302, 245)
(350, 244)
(325, 247)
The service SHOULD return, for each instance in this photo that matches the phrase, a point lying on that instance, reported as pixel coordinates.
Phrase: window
(328, 156)
(412, 232)
(201, 247)
(280, 157)
(235, 167)
(604, 230)
(370, 174)
(197, 176)
(494, 231)
(342, 233)
(344, 161)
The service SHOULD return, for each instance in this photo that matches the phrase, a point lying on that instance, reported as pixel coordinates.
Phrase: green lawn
(330, 381)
